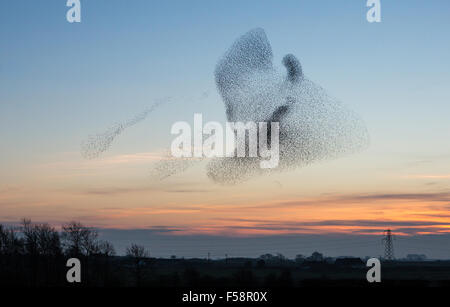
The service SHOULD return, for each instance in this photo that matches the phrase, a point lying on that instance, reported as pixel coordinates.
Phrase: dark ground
(114, 271)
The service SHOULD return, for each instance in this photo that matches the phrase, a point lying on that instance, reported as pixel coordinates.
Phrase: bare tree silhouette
(10, 243)
(138, 253)
(79, 239)
(105, 248)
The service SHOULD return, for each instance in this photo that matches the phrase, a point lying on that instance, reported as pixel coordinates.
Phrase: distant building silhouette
(350, 262)
(416, 257)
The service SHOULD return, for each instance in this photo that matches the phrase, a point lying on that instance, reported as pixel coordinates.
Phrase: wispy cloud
(405, 227)
(106, 191)
(428, 176)
(440, 197)
(72, 161)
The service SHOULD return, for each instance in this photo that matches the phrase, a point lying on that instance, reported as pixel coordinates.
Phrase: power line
(388, 245)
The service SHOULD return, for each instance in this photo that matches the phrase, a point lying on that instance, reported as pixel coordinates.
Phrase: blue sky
(83, 77)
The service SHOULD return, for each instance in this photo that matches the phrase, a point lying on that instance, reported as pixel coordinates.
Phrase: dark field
(235, 272)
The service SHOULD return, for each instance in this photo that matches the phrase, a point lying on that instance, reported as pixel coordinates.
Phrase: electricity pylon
(388, 245)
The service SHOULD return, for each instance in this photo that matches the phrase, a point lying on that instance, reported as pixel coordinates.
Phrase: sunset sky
(61, 82)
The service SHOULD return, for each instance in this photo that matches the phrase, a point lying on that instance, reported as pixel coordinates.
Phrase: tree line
(35, 254)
